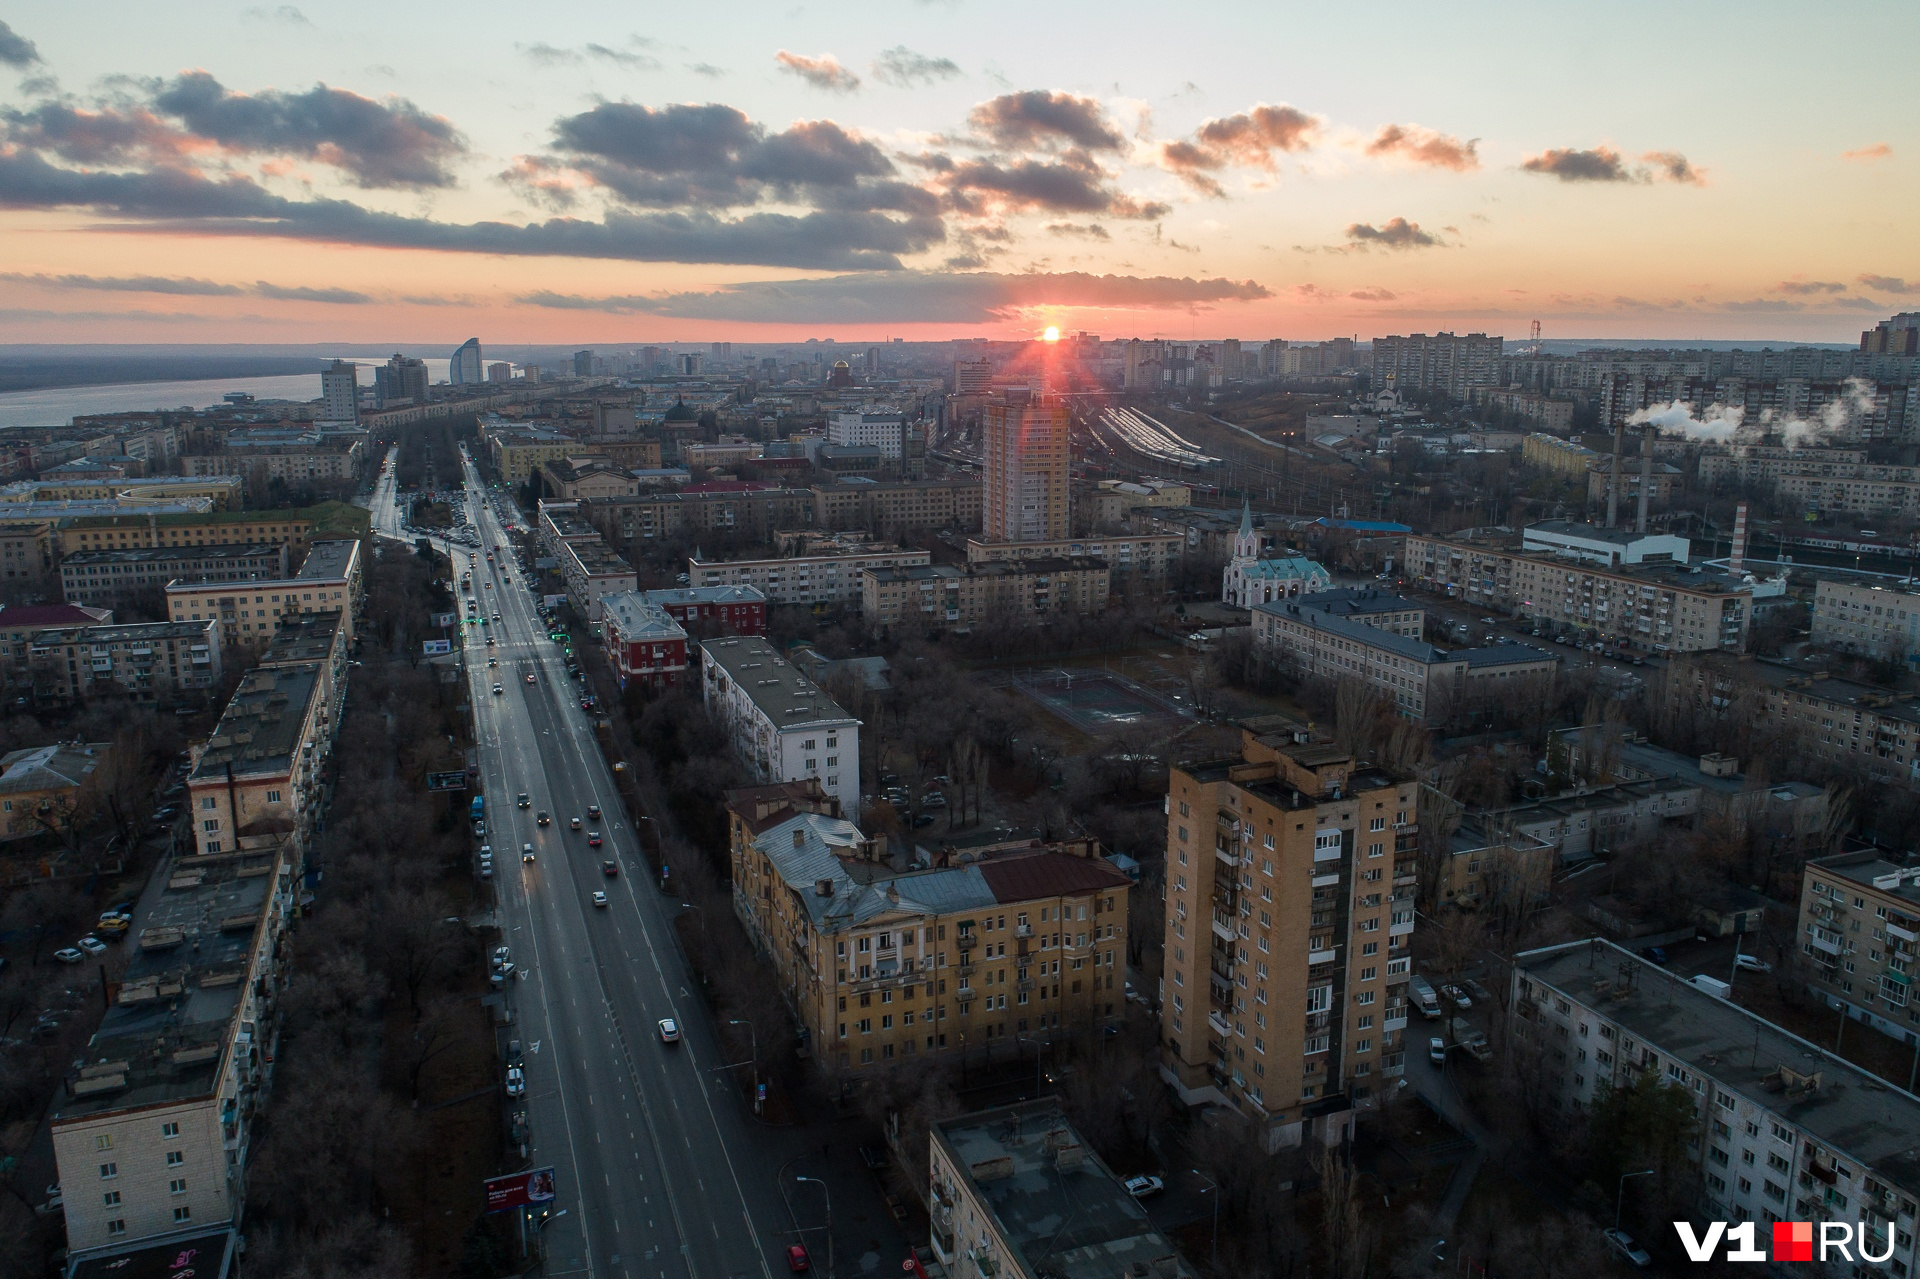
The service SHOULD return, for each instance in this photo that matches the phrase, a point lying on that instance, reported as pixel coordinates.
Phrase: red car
(797, 1259)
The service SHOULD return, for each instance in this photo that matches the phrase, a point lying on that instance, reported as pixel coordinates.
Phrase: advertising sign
(437, 648)
(530, 1189)
(447, 781)
(554, 601)
(444, 619)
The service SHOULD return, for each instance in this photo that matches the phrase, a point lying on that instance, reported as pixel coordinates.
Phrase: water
(57, 406)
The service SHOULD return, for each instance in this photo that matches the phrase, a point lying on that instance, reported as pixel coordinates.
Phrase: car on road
(600, 899)
(593, 812)
(68, 955)
(479, 830)
(526, 853)
(609, 868)
(1622, 1242)
(501, 954)
(1142, 1186)
(574, 822)
(516, 1082)
(113, 922)
(797, 1259)
(1752, 964)
(542, 820)
(496, 617)
(530, 678)
(489, 641)
(497, 690)
(523, 801)
(593, 839)
(1437, 1050)
(492, 662)
(669, 1031)
(92, 945)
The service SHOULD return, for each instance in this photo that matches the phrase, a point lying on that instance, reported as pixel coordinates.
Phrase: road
(661, 1169)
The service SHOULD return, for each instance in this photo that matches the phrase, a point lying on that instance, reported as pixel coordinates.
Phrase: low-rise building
(1790, 815)
(888, 508)
(1110, 500)
(1787, 1130)
(26, 548)
(21, 622)
(940, 597)
(886, 963)
(1607, 547)
(1139, 561)
(581, 477)
(1252, 578)
(592, 573)
(826, 578)
(45, 788)
(1551, 453)
(1016, 1194)
(642, 640)
(147, 661)
(1859, 939)
(153, 1130)
(737, 610)
(256, 783)
(251, 613)
(224, 492)
(1875, 621)
(744, 515)
(116, 578)
(109, 531)
(517, 451)
(781, 724)
(1666, 478)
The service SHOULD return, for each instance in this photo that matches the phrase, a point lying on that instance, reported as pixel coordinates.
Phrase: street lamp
(753, 1046)
(824, 1189)
(1619, 1196)
(1213, 1253)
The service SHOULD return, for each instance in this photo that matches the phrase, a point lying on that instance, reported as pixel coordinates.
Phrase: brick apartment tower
(1025, 488)
(1290, 882)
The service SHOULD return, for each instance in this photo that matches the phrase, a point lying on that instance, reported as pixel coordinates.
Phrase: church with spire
(1250, 580)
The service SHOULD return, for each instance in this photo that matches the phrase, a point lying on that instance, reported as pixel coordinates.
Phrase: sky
(927, 169)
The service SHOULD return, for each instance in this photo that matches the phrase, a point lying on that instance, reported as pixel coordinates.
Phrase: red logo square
(1793, 1241)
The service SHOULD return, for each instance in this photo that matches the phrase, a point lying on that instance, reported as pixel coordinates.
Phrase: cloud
(1809, 288)
(548, 55)
(1039, 118)
(21, 315)
(1887, 284)
(917, 296)
(298, 294)
(285, 14)
(1421, 145)
(17, 50)
(1877, 151)
(1675, 167)
(1371, 295)
(1248, 139)
(1070, 183)
(1602, 164)
(823, 72)
(706, 69)
(1398, 233)
(1312, 293)
(902, 68)
(1089, 231)
(128, 284)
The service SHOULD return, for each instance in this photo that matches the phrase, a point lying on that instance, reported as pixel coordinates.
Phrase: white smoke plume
(1834, 418)
(1722, 422)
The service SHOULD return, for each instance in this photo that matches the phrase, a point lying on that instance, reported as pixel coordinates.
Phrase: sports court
(1096, 701)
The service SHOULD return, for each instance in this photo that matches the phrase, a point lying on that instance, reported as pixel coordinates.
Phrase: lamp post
(753, 1047)
(1213, 1251)
(824, 1189)
(1620, 1195)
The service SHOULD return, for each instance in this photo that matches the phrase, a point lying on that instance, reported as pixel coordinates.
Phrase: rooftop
(56, 767)
(309, 637)
(1855, 1113)
(1619, 536)
(125, 632)
(1358, 601)
(597, 557)
(636, 618)
(329, 561)
(776, 688)
(260, 729)
(1786, 678)
(34, 616)
(678, 596)
(1870, 870)
(175, 554)
(1055, 1204)
(165, 1035)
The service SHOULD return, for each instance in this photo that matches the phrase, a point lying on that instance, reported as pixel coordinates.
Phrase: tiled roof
(1048, 874)
(51, 615)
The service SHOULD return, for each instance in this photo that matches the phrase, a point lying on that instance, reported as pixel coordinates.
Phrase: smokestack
(1646, 475)
(1613, 488)
(1737, 561)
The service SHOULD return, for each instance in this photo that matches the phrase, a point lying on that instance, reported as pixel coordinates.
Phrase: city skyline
(288, 174)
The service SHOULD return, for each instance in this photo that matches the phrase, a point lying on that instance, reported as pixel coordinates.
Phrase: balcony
(1226, 855)
(1904, 934)
(1220, 1025)
(1394, 1023)
(1322, 956)
(1222, 927)
(965, 941)
(964, 994)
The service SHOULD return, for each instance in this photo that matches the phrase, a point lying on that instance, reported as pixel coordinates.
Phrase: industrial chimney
(1613, 488)
(1736, 563)
(1646, 476)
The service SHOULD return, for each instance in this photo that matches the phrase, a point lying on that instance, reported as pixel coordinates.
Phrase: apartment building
(284, 457)
(256, 783)
(1290, 912)
(748, 515)
(1443, 362)
(642, 640)
(1554, 415)
(104, 532)
(1652, 606)
(781, 724)
(887, 508)
(1788, 1131)
(316, 639)
(42, 788)
(592, 572)
(517, 451)
(147, 661)
(1858, 728)
(1874, 621)
(1373, 637)
(26, 548)
(250, 613)
(1859, 930)
(1560, 456)
(1016, 1194)
(561, 523)
(117, 578)
(826, 577)
(1792, 814)
(152, 1134)
(582, 477)
(885, 962)
(1142, 560)
(741, 610)
(223, 492)
(940, 597)
(1025, 470)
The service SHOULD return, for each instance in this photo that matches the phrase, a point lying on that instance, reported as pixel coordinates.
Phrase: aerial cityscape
(945, 640)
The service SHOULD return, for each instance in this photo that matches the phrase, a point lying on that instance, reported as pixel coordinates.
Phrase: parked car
(1142, 1186)
(1437, 1050)
(797, 1259)
(1658, 954)
(516, 1082)
(1459, 997)
(501, 954)
(92, 945)
(68, 955)
(1752, 964)
(1622, 1242)
(669, 1031)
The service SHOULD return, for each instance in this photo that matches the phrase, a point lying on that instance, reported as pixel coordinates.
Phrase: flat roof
(774, 685)
(1841, 692)
(1863, 868)
(260, 729)
(1593, 532)
(167, 554)
(329, 561)
(1858, 1114)
(1056, 1205)
(121, 632)
(310, 637)
(168, 1030)
(1358, 632)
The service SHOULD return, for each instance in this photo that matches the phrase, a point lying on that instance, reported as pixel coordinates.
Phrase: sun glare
(1052, 334)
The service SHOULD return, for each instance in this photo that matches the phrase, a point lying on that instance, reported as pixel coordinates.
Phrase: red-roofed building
(21, 621)
(642, 640)
(730, 610)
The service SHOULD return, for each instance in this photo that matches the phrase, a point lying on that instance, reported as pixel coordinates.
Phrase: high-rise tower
(1025, 489)
(465, 368)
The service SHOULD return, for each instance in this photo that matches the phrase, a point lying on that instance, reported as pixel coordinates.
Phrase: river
(57, 406)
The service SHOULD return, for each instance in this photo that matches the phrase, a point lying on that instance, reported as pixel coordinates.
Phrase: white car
(68, 955)
(1752, 964)
(1622, 1242)
(497, 690)
(516, 1082)
(92, 945)
(600, 900)
(1142, 1186)
(669, 1028)
(1437, 1050)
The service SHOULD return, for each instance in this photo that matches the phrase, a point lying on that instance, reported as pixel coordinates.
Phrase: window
(183, 1213)
(177, 1186)
(109, 1171)
(273, 797)
(175, 1159)
(111, 1199)
(117, 1227)
(169, 1130)
(103, 1142)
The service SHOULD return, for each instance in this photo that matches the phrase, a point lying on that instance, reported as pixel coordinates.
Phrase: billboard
(447, 781)
(444, 619)
(436, 648)
(554, 601)
(530, 1189)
